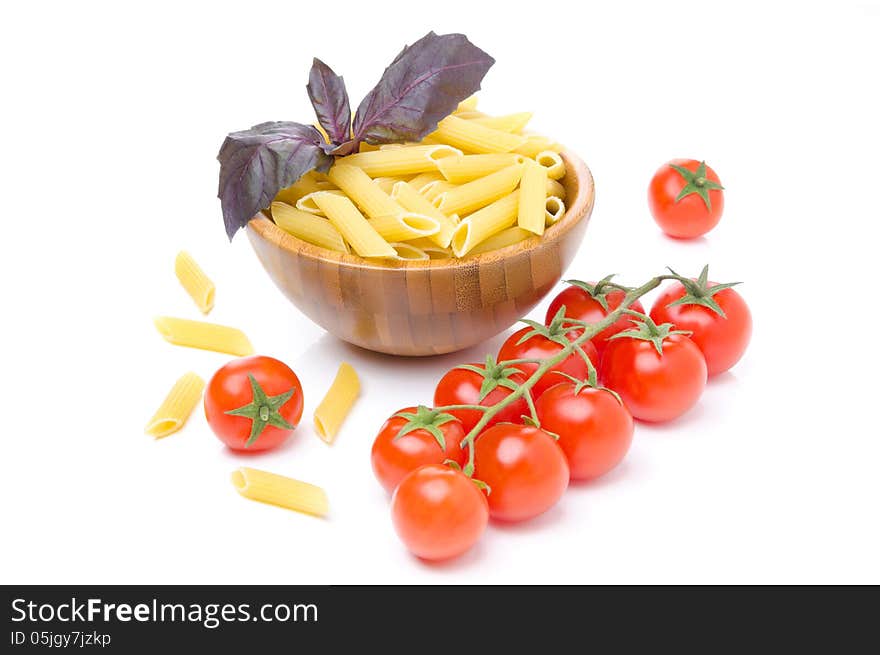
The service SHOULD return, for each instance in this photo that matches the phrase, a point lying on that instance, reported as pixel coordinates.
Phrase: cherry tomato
(461, 386)
(655, 386)
(540, 347)
(583, 301)
(594, 427)
(525, 470)
(721, 337)
(686, 198)
(253, 403)
(438, 512)
(394, 456)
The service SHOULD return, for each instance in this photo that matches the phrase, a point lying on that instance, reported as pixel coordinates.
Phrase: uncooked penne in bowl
(407, 202)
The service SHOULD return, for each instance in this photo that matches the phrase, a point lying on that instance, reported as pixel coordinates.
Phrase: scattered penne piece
(177, 406)
(308, 227)
(337, 402)
(193, 279)
(281, 491)
(207, 336)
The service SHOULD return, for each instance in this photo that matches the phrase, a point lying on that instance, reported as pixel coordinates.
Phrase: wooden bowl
(425, 307)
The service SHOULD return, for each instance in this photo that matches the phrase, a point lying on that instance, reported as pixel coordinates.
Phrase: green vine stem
(589, 331)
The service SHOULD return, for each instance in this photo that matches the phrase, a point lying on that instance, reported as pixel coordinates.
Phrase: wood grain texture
(425, 307)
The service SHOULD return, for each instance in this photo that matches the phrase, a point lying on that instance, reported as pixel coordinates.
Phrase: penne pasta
(433, 251)
(367, 147)
(535, 143)
(386, 183)
(552, 162)
(307, 202)
(468, 104)
(467, 168)
(555, 188)
(308, 227)
(472, 137)
(508, 123)
(402, 160)
(501, 239)
(532, 198)
(207, 336)
(337, 402)
(434, 189)
(409, 252)
(177, 406)
(405, 226)
(193, 279)
(354, 228)
(470, 114)
(482, 224)
(420, 180)
(360, 188)
(308, 183)
(281, 491)
(555, 210)
(479, 193)
(411, 200)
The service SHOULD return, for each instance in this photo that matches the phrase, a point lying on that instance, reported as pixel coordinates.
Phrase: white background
(111, 120)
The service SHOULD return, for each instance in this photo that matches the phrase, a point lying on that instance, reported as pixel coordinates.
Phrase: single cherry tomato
(686, 198)
(415, 437)
(658, 372)
(438, 512)
(591, 302)
(525, 470)
(253, 403)
(481, 384)
(539, 346)
(594, 427)
(717, 317)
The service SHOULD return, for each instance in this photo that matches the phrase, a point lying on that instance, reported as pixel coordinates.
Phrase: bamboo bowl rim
(575, 212)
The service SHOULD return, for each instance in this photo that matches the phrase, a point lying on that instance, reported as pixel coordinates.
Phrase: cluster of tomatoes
(574, 423)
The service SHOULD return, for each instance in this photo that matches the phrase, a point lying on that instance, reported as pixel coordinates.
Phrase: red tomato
(686, 198)
(438, 512)
(253, 403)
(524, 468)
(395, 456)
(461, 386)
(583, 305)
(595, 429)
(540, 347)
(654, 386)
(721, 339)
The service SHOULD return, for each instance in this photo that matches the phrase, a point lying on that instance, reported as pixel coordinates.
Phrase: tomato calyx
(556, 331)
(647, 330)
(590, 383)
(494, 374)
(263, 410)
(599, 291)
(696, 182)
(482, 486)
(698, 291)
(425, 418)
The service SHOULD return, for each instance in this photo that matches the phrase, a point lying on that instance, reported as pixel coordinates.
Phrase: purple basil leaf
(256, 164)
(423, 85)
(330, 100)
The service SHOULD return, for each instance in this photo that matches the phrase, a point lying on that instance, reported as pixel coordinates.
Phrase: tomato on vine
(414, 437)
(524, 468)
(538, 342)
(484, 385)
(438, 512)
(594, 427)
(253, 403)
(658, 372)
(591, 302)
(686, 198)
(716, 315)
